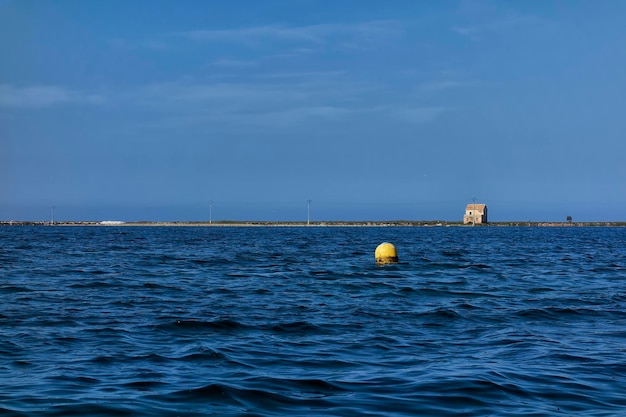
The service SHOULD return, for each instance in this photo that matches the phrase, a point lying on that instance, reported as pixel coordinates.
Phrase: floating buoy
(386, 254)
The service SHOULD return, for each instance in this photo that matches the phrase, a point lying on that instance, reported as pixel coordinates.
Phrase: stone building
(475, 214)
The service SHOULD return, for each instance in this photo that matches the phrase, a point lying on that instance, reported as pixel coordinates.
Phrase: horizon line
(220, 223)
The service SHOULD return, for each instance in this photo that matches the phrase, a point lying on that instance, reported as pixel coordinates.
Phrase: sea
(301, 321)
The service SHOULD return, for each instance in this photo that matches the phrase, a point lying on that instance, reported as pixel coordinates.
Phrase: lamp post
(308, 212)
(52, 216)
(210, 211)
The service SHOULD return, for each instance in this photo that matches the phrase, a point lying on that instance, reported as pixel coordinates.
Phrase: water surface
(273, 321)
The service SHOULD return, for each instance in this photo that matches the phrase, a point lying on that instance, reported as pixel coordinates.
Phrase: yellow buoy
(386, 254)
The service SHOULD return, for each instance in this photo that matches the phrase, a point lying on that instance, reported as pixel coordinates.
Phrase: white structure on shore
(475, 214)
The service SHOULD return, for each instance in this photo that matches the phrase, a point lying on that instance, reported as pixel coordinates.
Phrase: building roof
(478, 207)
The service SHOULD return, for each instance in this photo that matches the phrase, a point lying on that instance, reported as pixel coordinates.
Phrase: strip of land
(391, 223)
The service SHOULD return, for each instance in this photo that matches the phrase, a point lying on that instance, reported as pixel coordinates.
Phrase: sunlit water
(286, 321)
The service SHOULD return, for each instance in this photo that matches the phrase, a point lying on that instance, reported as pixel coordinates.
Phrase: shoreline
(392, 223)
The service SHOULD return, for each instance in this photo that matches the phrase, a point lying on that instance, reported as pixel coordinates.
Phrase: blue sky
(374, 110)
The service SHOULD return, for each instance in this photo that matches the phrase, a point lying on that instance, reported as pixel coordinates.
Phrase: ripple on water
(300, 321)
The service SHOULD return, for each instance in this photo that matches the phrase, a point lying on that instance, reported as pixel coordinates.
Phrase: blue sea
(300, 321)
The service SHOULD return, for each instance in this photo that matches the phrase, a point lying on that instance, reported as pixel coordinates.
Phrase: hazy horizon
(286, 213)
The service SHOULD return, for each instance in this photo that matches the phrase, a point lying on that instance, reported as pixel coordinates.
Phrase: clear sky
(374, 110)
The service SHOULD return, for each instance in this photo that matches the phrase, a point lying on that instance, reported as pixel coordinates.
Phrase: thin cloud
(304, 75)
(252, 34)
(217, 94)
(497, 27)
(268, 104)
(301, 40)
(366, 31)
(277, 100)
(42, 96)
(244, 119)
(286, 89)
(286, 117)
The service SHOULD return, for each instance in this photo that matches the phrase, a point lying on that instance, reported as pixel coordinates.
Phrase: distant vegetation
(431, 223)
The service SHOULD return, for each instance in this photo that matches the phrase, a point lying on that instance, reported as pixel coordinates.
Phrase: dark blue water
(284, 321)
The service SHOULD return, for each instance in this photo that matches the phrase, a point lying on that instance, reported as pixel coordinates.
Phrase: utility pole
(308, 212)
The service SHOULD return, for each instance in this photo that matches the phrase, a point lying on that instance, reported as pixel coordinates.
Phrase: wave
(273, 322)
